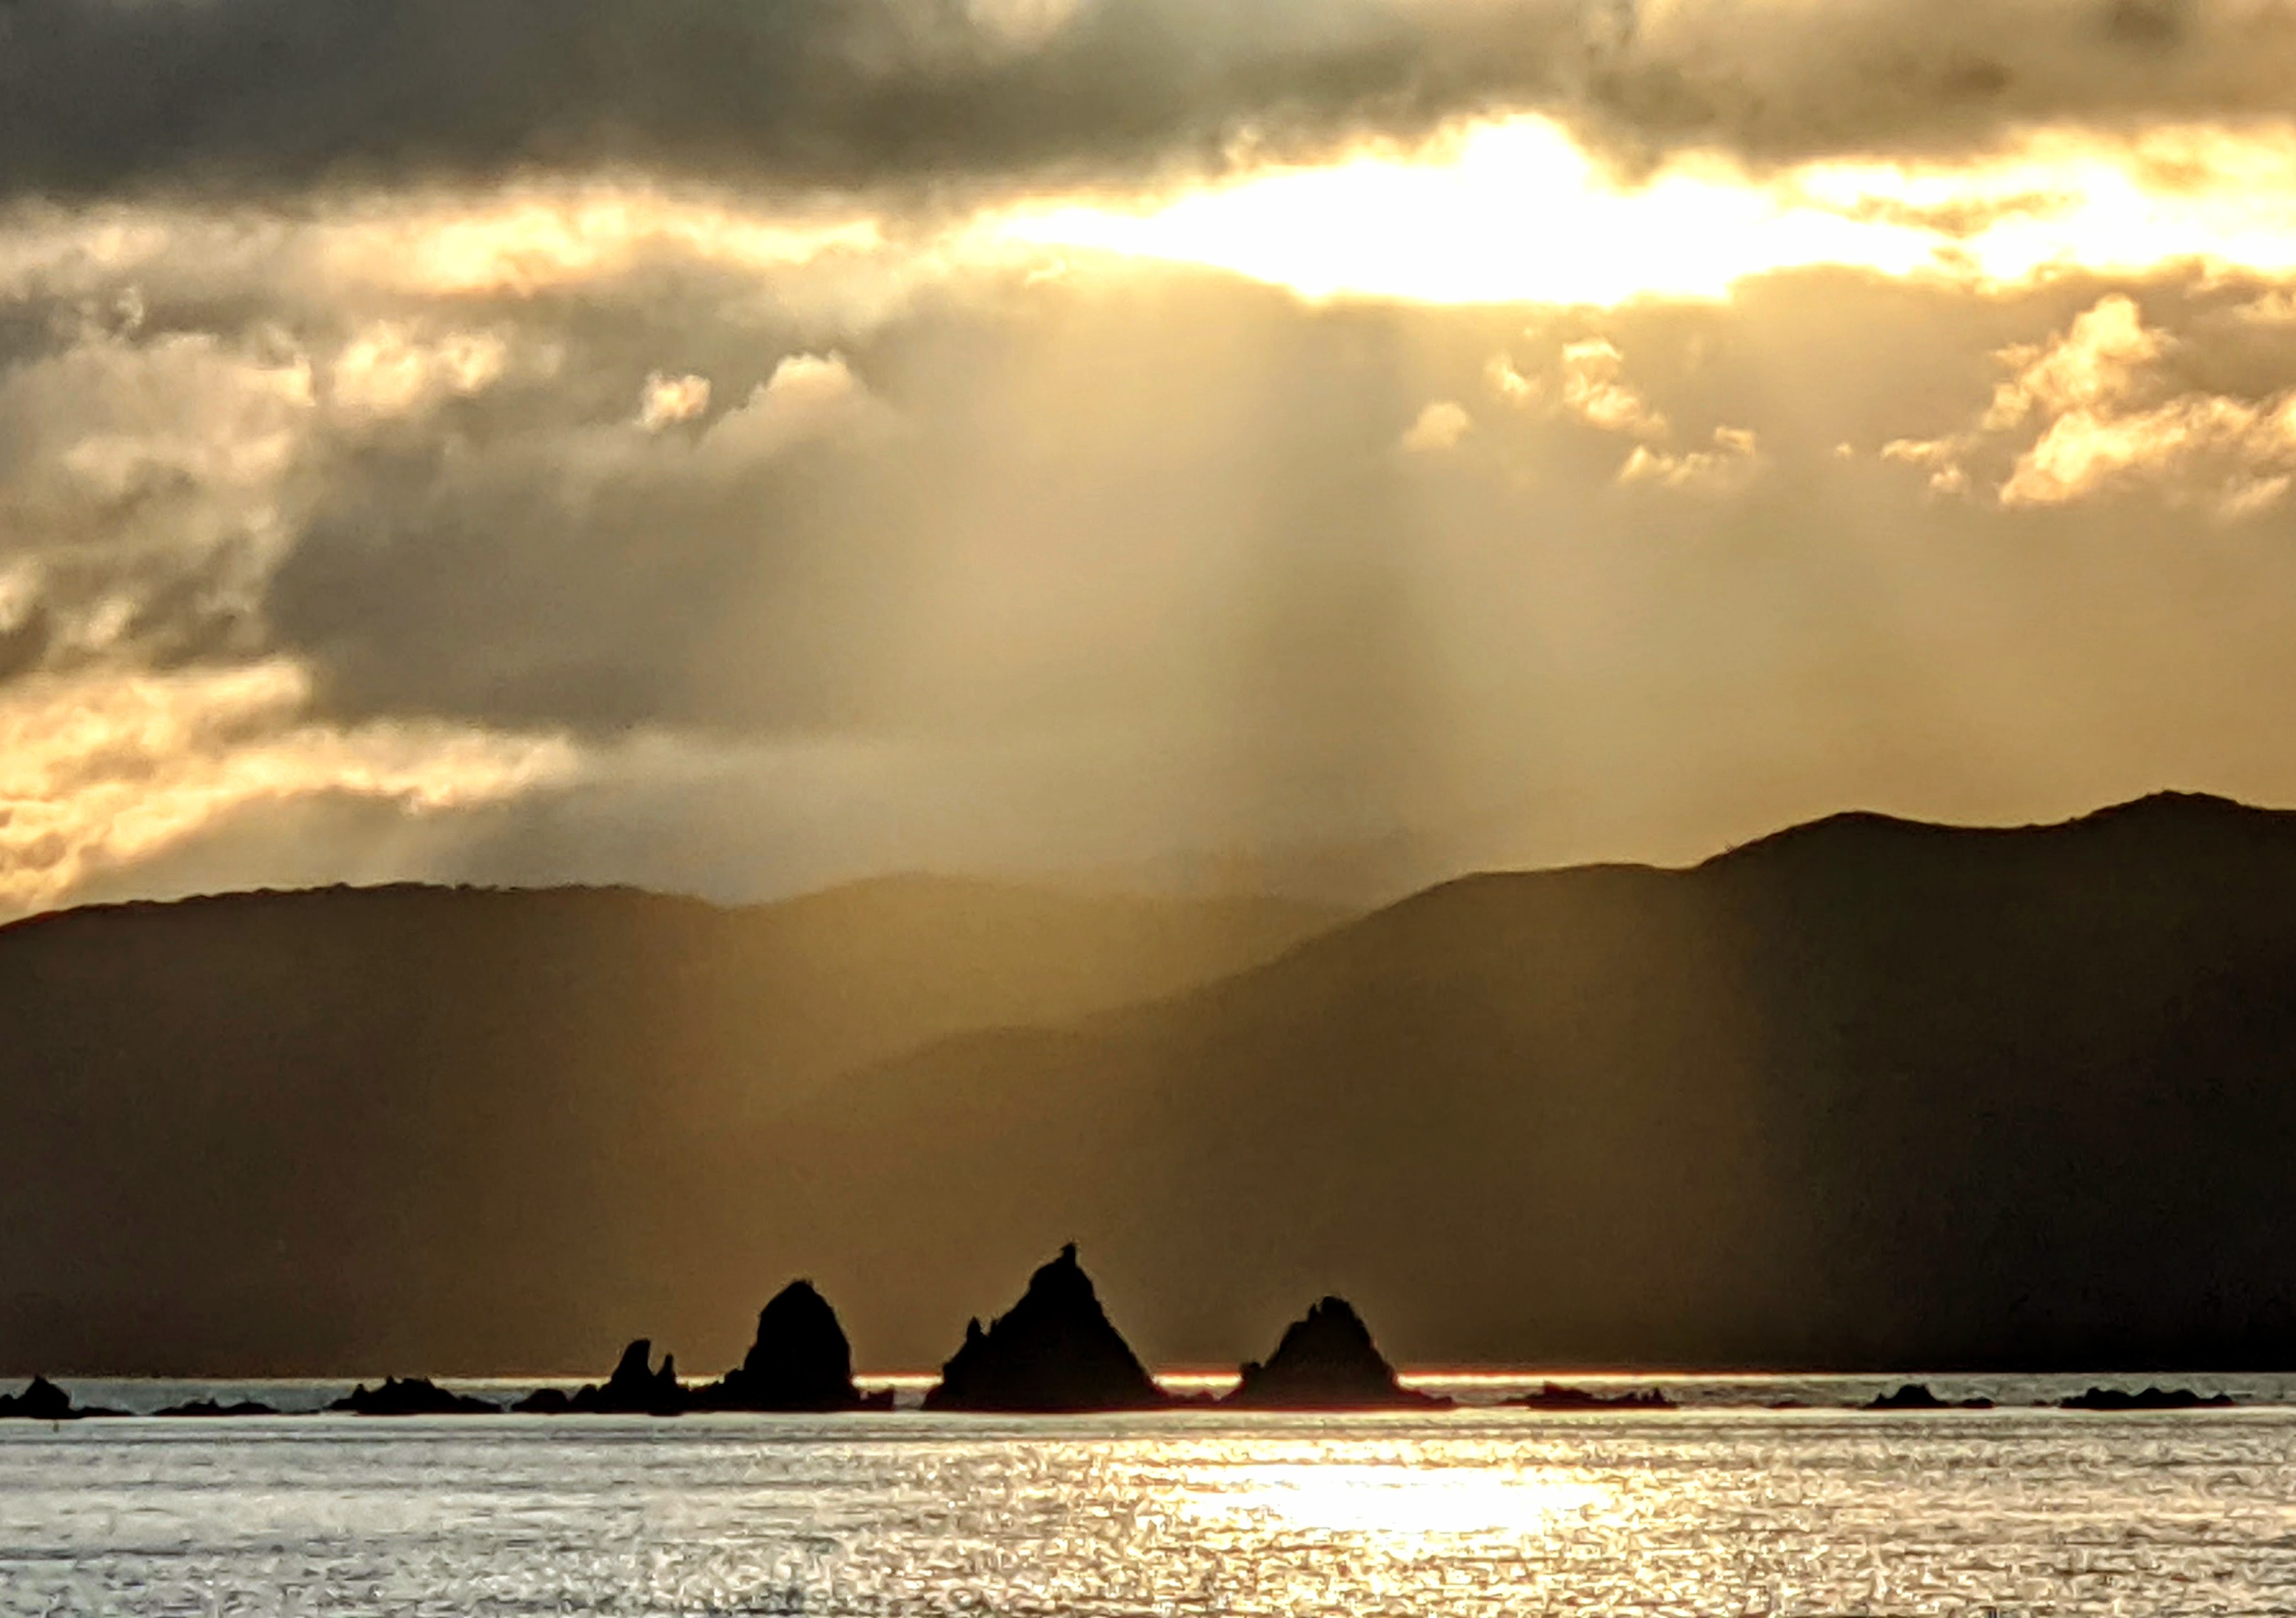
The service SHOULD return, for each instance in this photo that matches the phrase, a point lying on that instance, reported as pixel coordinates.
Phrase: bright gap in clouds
(1514, 211)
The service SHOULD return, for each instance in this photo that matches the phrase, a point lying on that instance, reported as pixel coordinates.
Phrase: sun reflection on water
(1394, 1499)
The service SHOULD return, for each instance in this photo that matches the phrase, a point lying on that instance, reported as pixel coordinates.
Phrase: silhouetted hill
(1866, 1094)
(474, 1129)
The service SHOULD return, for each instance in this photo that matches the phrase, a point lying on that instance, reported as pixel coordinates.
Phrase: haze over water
(1476, 1512)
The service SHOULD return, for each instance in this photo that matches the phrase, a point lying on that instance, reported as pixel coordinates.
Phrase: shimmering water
(1471, 1513)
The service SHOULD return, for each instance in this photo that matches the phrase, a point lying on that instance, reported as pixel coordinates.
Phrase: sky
(738, 446)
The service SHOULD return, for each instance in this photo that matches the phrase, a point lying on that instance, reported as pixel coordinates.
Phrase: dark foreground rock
(43, 1401)
(1053, 1352)
(410, 1396)
(1916, 1396)
(2150, 1399)
(1326, 1361)
(205, 1409)
(1556, 1396)
(800, 1363)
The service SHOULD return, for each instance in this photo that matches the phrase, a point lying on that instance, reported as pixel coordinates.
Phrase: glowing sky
(1514, 211)
(1319, 442)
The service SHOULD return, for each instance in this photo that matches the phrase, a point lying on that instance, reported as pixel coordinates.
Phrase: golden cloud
(101, 770)
(2092, 412)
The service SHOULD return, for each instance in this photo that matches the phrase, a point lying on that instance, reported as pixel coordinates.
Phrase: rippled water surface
(1472, 1512)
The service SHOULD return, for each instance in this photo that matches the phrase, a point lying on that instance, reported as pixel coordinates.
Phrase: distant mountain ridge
(1867, 1093)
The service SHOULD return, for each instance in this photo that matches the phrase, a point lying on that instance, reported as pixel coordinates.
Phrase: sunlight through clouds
(1515, 211)
(1501, 213)
(1320, 433)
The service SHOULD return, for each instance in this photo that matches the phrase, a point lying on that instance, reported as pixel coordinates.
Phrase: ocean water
(1473, 1512)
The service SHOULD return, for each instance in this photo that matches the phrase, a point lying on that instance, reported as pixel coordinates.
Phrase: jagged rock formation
(1916, 1396)
(1556, 1396)
(2150, 1399)
(410, 1396)
(208, 1409)
(799, 1362)
(1326, 1361)
(43, 1401)
(634, 1389)
(1054, 1350)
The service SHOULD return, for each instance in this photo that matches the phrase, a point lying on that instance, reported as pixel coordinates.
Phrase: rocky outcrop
(410, 1396)
(43, 1401)
(1326, 1361)
(634, 1389)
(1053, 1352)
(1916, 1396)
(800, 1362)
(1556, 1396)
(207, 1409)
(2150, 1399)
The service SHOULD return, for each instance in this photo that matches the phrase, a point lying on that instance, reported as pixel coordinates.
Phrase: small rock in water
(1326, 1361)
(2150, 1399)
(634, 1389)
(1556, 1396)
(1916, 1396)
(205, 1409)
(410, 1396)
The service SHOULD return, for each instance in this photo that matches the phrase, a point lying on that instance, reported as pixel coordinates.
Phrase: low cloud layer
(266, 96)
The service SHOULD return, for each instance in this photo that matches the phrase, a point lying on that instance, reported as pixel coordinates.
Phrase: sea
(1722, 1506)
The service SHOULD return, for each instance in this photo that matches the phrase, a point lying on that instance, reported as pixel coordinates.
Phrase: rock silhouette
(208, 1409)
(1556, 1396)
(2150, 1399)
(799, 1362)
(1916, 1396)
(1053, 1352)
(410, 1396)
(634, 1389)
(1326, 1361)
(42, 1400)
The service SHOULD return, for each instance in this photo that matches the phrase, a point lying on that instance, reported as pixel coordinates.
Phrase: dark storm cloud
(263, 94)
(271, 95)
